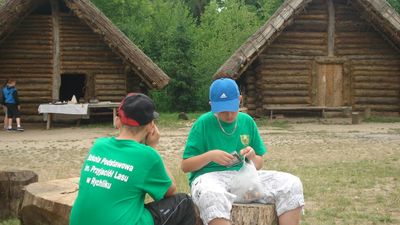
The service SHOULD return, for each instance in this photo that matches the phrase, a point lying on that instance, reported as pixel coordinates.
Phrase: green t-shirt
(206, 134)
(115, 178)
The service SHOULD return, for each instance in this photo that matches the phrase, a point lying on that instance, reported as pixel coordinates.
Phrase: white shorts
(210, 193)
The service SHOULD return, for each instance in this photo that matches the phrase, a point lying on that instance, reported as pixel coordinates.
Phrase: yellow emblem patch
(245, 139)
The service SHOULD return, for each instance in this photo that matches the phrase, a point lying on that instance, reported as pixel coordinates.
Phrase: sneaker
(20, 129)
(9, 129)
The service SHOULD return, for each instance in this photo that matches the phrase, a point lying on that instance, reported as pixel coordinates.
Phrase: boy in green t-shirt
(208, 159)
(119, 171)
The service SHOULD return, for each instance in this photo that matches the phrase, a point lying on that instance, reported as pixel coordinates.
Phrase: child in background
(4, 106)
(11, 101)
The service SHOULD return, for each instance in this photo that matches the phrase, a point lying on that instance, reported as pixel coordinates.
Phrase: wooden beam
(331, 28)
(55, 9)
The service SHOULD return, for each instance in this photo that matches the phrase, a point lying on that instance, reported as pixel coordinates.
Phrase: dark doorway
(72, 84)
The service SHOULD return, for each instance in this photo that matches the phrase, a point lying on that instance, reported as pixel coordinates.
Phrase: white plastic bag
(247, 185)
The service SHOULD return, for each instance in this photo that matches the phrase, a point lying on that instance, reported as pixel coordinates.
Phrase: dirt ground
(59, 152)
(308, 148)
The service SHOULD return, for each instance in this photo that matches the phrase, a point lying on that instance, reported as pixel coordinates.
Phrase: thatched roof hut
(322, 53)
(56, 48)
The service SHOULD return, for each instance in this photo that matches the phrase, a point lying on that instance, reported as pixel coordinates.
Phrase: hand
(153, 137)
(221, 157)
(248, 152)
(19, 107)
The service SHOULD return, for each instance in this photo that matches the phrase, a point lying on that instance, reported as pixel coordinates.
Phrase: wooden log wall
(83, 51)
(375, 62)
(283, 76)
(26, 55)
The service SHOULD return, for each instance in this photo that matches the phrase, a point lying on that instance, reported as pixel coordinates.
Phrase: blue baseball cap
(224, 96)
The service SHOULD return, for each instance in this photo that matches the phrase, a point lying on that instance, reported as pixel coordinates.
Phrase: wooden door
(330, 85)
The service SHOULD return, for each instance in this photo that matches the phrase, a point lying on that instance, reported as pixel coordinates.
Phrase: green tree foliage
(197, 7)
(172, 42)
(164, 30)
(223, 28)
(133, 17)
(189, 39)
(395, 4)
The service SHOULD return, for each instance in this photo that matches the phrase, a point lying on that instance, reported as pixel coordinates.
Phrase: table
(74, 109)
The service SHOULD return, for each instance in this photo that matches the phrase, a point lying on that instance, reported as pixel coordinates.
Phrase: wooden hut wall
(375, 63)
(83, 51)
(26, 55)
(283, 76)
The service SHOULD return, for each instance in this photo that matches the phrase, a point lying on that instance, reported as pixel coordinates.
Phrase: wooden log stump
(12, 190)
(49, 203)
(250, 214)
(355, 118)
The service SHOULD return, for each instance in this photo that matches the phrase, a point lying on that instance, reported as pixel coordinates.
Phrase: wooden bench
(321, 109)
(50, 203)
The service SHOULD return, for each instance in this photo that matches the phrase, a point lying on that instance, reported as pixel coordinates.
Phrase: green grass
(171, 120)
(362, 192)
(359, 192)
(10, 222)
(166, 120)
(394, 131)
(265, 122)
(382, 119)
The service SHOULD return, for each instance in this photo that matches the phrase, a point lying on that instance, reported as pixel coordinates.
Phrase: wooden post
(355, 118)
(331, 28)
(347, 112)
(55, 9)
(367, 113)
(48, 122)
(11, 190)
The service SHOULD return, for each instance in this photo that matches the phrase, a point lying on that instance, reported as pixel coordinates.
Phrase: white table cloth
(72, 109)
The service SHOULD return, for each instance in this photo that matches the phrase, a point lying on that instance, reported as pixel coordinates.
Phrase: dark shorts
(12, 111)
(174, 210)
(5, 110)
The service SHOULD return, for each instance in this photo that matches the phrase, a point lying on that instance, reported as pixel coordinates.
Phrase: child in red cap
(120, 171)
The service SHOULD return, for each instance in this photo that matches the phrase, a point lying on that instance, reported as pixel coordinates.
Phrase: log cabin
(321, 54)
(59, 48)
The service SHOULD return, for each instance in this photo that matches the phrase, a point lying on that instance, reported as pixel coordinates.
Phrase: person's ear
(240, 99)
(117, 122)
(150, 126)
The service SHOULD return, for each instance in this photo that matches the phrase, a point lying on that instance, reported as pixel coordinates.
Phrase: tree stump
(12, 190)
(355, 118)
(49, 203)
(250, 214)
(183, 116)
